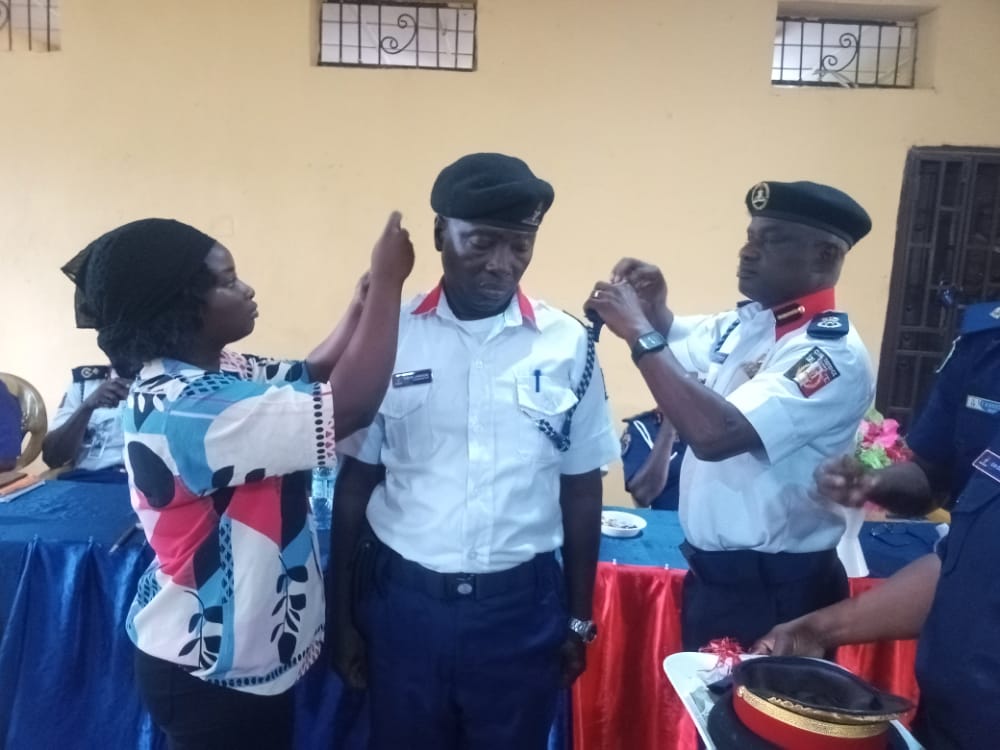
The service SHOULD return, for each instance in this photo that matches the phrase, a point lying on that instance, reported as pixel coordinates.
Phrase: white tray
(683, 669)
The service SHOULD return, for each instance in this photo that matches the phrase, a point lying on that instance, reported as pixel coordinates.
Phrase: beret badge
(759, 195)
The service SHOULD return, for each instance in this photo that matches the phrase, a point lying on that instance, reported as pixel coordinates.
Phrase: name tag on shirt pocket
(985, 405)
(412, 377)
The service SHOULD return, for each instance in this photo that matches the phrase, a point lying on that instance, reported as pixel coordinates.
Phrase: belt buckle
(465, 584)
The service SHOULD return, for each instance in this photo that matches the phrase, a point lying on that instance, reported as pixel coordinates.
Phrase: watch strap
(647, 343)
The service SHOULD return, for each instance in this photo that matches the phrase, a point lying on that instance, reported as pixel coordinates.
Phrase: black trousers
(196, 715)
(742, 594)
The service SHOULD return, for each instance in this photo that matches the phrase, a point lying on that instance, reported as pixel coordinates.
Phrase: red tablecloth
(624, 700)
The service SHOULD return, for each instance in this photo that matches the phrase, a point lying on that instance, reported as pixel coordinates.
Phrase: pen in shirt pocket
(538, 381)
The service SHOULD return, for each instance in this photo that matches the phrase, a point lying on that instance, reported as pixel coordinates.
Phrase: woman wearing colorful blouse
(218, 448)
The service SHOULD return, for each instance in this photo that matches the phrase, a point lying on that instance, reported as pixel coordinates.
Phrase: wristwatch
(648, 343)
(586, 629)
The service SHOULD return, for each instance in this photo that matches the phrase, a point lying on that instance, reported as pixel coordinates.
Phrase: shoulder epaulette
(91, 372)
(984, 316)
(829, 325)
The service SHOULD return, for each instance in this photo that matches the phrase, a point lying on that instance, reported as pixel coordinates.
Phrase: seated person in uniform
(86, 432)
(10, 429)
(948, 599)
(651, 459)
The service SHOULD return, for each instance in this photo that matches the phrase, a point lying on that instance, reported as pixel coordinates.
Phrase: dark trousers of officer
(462, 662)
(742, 594)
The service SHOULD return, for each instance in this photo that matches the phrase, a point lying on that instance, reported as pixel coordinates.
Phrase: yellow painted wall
(650, 117)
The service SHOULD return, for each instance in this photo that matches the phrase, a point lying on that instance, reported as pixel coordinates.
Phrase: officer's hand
(620, 309)
(108, 394)
(648, 282)
(795, 638)
(573, 658)
(648, 482)
(844, 481)
(347, 656)
(392, 257)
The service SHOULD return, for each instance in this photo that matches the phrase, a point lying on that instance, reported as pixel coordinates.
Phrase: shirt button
(464, 588)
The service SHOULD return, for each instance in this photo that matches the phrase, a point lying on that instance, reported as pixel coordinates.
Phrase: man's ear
(440, 225)
(829, 256)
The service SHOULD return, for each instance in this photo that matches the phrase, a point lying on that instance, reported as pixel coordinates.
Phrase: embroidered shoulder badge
(829, 325)
(812, 372)
(91, 372)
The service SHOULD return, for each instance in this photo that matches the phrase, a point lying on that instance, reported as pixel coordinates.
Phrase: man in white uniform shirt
(483, 460)
(782, 384)
(86, 432)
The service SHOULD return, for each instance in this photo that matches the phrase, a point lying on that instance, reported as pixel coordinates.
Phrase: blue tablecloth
(888, 545)
(66, 663)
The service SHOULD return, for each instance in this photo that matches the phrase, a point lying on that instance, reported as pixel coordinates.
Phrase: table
(66, 669)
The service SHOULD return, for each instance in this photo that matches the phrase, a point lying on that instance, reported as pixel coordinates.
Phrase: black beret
(812, 204)
(492, 189)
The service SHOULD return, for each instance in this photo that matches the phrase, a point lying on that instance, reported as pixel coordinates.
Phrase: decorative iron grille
(947, 256)
(851, 54)
(31, 25)
(399, 35)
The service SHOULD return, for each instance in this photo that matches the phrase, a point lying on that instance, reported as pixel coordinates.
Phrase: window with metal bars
(29, 25)
(399, 35)
(850, 54)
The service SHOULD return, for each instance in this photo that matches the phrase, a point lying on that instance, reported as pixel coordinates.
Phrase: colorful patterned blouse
(218, 470)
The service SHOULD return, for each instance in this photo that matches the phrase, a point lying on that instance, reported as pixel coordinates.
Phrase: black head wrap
(128, 276)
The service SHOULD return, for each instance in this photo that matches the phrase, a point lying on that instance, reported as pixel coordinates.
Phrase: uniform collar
(790, 315)
(520, 311)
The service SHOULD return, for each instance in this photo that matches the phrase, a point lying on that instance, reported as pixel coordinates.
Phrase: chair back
(34, 420)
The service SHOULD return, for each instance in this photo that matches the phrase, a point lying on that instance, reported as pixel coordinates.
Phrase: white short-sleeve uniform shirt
(804, 386)
(472, 484)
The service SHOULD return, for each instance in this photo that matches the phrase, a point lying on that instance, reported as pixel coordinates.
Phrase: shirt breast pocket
(980, 495)
(407, 422)
(541, 398)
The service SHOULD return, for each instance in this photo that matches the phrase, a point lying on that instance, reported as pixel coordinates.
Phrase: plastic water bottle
(321, 496)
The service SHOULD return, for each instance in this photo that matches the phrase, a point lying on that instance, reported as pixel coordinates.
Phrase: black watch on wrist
(648, 343)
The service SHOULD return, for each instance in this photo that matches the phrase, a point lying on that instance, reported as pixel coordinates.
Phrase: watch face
(649, 340)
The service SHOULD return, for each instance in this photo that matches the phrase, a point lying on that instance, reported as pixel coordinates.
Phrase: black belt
(750, 567)
(416, 577)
